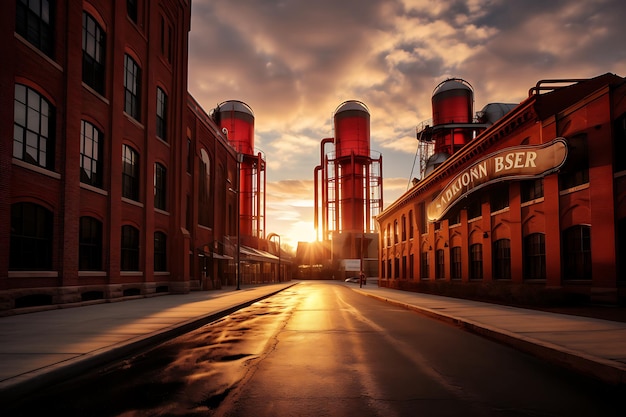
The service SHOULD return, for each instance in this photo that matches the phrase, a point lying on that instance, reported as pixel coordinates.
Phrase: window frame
(130, 172)
(160, 251)
(37, 26)
(501, 252)
(476, 261)
(129, 248)
(94, 54)
(94, 175)
(90, 244)
(534, 254)
(576, 252)
(160, 186)
(161, 114)
(132, 88)
(33, 123)
(31, 243)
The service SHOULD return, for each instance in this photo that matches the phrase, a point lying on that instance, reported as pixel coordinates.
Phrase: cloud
(295, 61)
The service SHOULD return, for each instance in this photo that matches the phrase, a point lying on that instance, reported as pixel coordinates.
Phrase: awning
(251, 254)
(218, 256)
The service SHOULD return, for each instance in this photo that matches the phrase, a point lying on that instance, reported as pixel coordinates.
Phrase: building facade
(532, 209)
(114, 180)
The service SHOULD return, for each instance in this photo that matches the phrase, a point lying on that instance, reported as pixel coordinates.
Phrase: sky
(295, 61)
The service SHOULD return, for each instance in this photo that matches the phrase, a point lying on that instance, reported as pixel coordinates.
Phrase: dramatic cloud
(295, 61)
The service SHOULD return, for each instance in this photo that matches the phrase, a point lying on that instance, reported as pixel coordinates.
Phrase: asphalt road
(320, 349)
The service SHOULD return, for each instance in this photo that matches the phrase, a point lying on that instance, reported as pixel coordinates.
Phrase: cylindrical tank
(352, 129)
(352, 147)
(237, 118)
(453, 103)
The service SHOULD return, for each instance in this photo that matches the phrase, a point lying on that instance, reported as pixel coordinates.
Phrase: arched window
(130, 249)
(535, 256)
(576, 245)
(94, 53)
(33, 128)
(31, 237)
(90, 244)
(403, 228)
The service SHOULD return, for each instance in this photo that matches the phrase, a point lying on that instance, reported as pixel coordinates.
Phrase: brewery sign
(519, 162)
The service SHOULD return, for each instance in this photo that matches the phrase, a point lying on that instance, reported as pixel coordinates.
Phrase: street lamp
(269, 237)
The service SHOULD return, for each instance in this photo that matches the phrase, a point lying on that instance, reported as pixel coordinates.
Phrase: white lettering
(530, 159)
(518, 159)
(499, 165)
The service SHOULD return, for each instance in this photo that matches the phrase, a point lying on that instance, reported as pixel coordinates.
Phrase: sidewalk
(39, 348)
(591, 346)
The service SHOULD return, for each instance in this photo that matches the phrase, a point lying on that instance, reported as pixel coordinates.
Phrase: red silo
(352, 146)
(236, 120)
(453, 103)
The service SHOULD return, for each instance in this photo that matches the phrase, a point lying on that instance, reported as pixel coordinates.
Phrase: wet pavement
(40, 348)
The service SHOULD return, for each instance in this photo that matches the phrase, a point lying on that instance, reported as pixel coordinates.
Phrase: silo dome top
(452, 84)
(235, 105)
(352, 105)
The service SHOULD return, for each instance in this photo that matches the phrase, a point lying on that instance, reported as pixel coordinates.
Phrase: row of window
(33, 142)
(498, 200)
(35, 116)
(576, 258)
(31, 242)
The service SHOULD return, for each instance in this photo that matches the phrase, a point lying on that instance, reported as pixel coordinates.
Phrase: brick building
(113, 179)
(528, 207)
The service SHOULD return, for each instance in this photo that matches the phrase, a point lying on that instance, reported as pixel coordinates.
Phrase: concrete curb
(607, 371)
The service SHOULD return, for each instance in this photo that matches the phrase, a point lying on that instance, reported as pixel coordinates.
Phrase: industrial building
(518, 203)
(115, 182)
(347, 197)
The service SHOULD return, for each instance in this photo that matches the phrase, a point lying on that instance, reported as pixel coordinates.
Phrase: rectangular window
(129, 249)
(160, 251)
(476, 261)
(455, 262)
(499, 197)
(90, 154)
(412, 266)
(31, 238)
(161, 119)
(404, 228)
(535, 256)
(160, 186)
(33, 128)
(474, 208)
(130, 173)
(189, 156)
(575, 172)
(425, 267)
(531, 189)
(403, 266)
(131, 9)
(423, 226)
(94, 53)
(90, 244)
(502, 259)
(576, 244)
(34, 21)
(396, 268)
(439, 264)
(132, 88)
(166, 40)
(411, 224)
